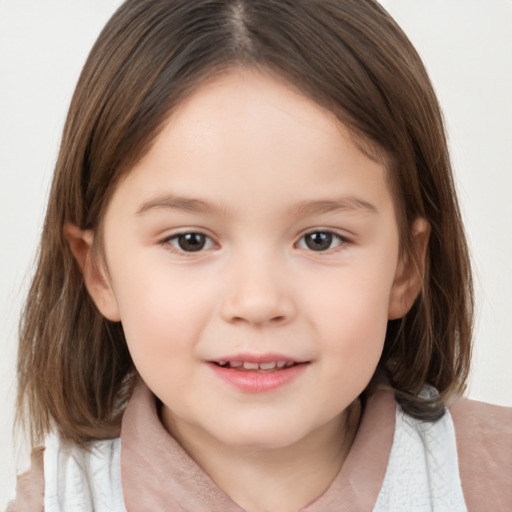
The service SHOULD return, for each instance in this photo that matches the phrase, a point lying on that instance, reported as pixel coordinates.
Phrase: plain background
(467, 48)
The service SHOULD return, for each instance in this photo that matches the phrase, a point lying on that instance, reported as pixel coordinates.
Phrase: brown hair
(74, 367)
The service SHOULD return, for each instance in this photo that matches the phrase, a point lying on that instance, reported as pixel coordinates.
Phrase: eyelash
(205, 243)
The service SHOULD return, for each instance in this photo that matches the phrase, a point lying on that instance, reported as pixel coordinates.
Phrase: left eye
(190, 242)
(320, 241)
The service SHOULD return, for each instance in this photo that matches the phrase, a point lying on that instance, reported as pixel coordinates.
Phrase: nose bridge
(258, 291)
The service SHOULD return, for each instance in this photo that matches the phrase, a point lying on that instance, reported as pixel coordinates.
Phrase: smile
(258, 374)
(248, 366)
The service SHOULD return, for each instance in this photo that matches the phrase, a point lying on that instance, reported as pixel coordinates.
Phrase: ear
(95, 277)
(410, 271)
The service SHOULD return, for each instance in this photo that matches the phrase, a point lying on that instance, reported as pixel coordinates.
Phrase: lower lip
(259, 382)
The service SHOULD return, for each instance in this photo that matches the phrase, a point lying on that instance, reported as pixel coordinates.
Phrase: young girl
(253, 290)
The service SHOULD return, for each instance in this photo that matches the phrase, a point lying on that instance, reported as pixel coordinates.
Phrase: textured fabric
(30, 486)
(79, 480)
(395, 464)
(423, 471)
(421, 475)
(484, 441)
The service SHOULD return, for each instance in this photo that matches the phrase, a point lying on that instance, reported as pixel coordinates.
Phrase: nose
(259, 293)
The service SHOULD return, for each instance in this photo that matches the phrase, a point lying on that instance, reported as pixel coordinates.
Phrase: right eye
(190, 242)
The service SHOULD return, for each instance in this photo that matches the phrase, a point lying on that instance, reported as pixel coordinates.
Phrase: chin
(267, 436)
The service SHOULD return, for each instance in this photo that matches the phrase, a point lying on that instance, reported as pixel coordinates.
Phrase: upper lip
(257, 358)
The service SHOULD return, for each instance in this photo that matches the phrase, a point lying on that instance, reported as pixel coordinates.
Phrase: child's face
(292, 255)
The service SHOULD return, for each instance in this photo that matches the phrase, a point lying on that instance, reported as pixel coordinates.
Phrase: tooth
(250, 366)
(280, 364)
(288, 364)
(235, 364)
(268, 366)
(223, 363)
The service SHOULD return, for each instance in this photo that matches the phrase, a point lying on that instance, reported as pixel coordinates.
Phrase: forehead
(246, 133)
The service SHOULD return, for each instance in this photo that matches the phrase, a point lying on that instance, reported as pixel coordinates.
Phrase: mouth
(252, 373)
(256, 367)
(258, 373)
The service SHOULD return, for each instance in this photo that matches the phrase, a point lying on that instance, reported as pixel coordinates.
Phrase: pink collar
(159, 476)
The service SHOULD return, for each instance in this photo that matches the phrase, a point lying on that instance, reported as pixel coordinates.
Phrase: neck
(280, 479)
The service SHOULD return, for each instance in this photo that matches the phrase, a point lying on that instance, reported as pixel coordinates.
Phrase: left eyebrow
(349, 204)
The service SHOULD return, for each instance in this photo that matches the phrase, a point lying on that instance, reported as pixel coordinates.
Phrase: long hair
(75, 371)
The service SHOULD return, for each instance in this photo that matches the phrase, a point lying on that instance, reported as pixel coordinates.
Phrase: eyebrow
(349, 204)
(176, 203)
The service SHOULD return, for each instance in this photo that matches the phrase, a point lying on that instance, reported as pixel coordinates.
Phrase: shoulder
(484, 445)
(30, 486)
(65, 476)
(82, 478)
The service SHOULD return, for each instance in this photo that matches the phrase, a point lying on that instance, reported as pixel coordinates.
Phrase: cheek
(354, 328)
(161, 315)
(352, 333)
(351, 312)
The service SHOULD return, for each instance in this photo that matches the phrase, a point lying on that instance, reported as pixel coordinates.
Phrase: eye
(190, 242)
(321, 241)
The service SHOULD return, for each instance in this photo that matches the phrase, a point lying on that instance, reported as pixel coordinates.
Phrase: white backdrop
(467, 47)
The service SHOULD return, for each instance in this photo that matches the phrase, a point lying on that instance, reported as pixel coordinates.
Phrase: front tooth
(280, 364)
(250, 366)
(268, 366)
(236, 364)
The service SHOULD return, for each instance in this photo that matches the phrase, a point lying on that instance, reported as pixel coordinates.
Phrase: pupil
(319, 241)
(191, 242)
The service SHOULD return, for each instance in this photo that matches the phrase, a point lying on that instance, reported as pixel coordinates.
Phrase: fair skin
(292, 254)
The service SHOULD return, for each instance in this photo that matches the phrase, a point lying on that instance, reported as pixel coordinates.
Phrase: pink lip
(255, 381)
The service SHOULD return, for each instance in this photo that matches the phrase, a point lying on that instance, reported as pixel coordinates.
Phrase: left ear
(409, 272)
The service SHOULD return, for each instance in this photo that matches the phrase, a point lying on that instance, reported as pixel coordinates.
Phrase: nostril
(252, 319)
(257, 309)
